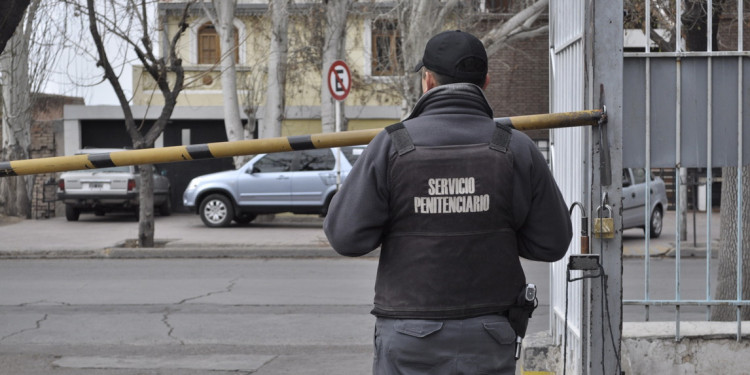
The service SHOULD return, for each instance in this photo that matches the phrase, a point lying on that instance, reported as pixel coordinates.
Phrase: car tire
(244, 218)
(166, 208)
(216, 210)
(656, 223)
(71, 212)
(326, 205)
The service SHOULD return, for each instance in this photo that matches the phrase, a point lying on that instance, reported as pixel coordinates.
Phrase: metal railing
(696, 73)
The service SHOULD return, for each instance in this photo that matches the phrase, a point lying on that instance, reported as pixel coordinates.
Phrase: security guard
(453, 199)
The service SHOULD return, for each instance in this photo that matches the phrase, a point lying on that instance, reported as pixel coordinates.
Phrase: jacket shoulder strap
(501, 137)
(400, 138)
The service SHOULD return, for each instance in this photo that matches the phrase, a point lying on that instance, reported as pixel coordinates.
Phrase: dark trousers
(481, 345)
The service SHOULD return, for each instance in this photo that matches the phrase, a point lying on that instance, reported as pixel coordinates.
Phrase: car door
(316, 176)
(267, 181)
(633, 197)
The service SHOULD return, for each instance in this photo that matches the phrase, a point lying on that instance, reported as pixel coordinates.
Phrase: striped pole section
(258, 146)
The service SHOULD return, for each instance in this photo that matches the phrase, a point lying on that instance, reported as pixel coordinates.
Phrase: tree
(726, 288)
(419, 20)
(15, 192)
(277, 67)
(333, 49)
(124, 20)
(222, 17)
(12, 14)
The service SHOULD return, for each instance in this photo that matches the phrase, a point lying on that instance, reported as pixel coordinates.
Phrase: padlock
(604, 227)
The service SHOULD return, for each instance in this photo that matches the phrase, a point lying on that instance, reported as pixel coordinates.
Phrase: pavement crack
(44, 301)
(228, 289)
(170, 329)
(38, 325)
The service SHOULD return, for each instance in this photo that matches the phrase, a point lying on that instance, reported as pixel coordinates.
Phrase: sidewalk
(184, 235)
(179, 235)
(634, 244)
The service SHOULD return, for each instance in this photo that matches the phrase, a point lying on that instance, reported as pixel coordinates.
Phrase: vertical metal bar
(739, 194)
(740, 45)
(740, 24)
(647, 255)
(678, 32)
(647, 232)
(709, 163)
(710, 26)
(678, 184)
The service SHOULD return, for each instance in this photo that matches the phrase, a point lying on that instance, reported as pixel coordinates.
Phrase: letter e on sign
(339, 80)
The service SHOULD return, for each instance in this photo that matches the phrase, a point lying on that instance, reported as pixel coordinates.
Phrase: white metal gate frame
(586, 61)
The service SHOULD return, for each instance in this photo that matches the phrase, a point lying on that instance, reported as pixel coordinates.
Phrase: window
(317, 160)
(209, 49)
(639, 175)
(386, 48)
(276, 162)
(498, 6)
(352, 153)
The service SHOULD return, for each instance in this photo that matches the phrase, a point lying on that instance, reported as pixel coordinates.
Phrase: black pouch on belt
(518, 315)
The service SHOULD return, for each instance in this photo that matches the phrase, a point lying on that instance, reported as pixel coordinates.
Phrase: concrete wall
(650, 348)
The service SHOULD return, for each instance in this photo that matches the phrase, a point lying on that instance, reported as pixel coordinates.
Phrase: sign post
(339, 84)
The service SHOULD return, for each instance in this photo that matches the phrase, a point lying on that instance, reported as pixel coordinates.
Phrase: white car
(634, 201)
(108, 189)
(300, 182)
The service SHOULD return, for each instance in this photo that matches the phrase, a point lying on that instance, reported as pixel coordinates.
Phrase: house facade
(519, 78)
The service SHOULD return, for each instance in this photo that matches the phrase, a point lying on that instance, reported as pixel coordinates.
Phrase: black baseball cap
(446, 51)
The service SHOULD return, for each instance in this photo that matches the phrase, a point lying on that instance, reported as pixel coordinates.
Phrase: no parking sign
(339, 80)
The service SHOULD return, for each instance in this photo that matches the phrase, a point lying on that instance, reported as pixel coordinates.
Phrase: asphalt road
(268, 298)
(189, 316)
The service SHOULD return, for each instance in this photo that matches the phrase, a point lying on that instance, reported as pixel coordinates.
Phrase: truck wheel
(216, 211)
(71, 212)
(166, 208)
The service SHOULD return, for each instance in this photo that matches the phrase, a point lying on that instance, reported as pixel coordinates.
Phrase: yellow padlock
(604, 227)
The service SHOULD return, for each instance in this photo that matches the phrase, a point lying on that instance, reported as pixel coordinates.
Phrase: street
(269, 298)
(189, 316)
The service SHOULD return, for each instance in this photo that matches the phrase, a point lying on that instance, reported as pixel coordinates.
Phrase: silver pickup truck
(108, 190)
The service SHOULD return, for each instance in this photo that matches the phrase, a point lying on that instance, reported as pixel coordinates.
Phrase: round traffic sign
(339, 80)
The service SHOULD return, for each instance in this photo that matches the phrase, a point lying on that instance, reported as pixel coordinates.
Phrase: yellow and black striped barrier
(260, 146)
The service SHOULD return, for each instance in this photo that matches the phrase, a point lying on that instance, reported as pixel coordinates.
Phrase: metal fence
(686, 109)
(568, 151)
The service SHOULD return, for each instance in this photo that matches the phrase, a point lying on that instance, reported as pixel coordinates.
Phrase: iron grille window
(386, 48)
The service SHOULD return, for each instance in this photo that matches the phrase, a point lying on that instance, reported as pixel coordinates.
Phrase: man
(453, 200)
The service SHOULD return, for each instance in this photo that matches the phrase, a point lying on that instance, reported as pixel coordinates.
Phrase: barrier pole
(258, 146)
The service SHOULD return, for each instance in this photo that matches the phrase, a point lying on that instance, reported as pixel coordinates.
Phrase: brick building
(46, 141)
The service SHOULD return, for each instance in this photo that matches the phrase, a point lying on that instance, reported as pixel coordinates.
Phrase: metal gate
(586, 73)
(686, 109)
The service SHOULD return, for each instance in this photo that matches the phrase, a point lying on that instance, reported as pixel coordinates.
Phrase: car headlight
(194, 184)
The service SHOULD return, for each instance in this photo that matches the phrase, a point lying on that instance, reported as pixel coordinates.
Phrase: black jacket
(458, 114)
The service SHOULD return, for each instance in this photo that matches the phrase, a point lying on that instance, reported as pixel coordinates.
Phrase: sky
(75, 72)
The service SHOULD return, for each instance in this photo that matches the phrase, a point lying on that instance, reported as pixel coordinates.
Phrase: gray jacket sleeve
(543, 229)
(358, 213)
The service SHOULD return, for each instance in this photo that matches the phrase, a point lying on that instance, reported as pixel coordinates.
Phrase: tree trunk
(15, 192)
(146, 225)
(333, 49)
(225, 28)
(726, 288)
(169, 76)
(277, 64)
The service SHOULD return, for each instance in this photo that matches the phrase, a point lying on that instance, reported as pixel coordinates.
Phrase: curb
(228, 252)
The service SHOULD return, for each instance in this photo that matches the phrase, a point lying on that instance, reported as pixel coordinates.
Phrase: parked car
(109, 189)
(300, 182)
(634, 201)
